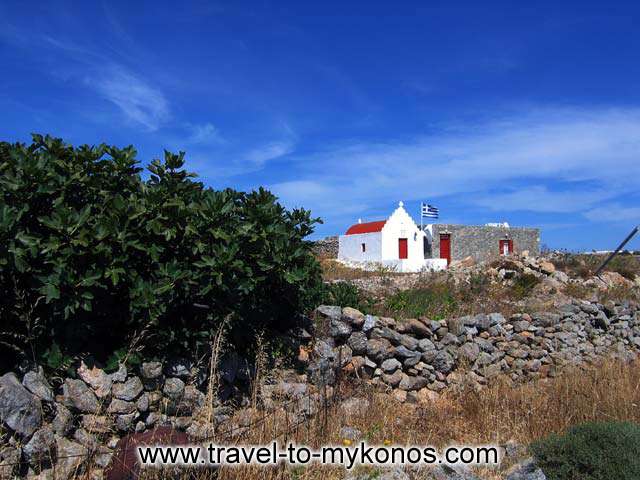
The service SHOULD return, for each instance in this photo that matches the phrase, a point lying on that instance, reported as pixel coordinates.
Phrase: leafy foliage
(92, 253)
(591, 451)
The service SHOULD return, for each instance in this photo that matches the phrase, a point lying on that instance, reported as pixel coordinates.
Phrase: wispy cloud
(270, 151)
(614, 212)
(528, 161)
(204, 134)
(137, 99)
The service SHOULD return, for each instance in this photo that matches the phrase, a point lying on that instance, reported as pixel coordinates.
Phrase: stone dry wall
(326, 248)
(482, 243)
(417, 357)
(55, 430)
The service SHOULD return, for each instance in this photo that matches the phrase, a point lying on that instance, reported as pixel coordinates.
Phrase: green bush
(436, 301)
(346, 294)
(92, 254)
(591, 451)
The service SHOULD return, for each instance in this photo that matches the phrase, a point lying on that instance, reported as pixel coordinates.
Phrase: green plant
(523, 285)
(436, 301)
(92, 254)
(591, 451)
(346, 294)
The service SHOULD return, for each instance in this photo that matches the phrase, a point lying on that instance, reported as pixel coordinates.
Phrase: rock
(560, 276)
(525, 470)
(496, 319)
(456, 326)
(152, 377)
(447, 472)
(20, 410)
(124, 423)
(96, 423)
(178, 367)
(121, 375)
(417, 328)
(142, 404)
(354, 406)
(151, 370)
(173, 388)
(370, 322)
(9, 457)
(77, 395)
(350, 433)
(40, 450)
(128, 390)
(547, 267)
(390, 365)
(329, 312)
(443, 362)
(71, 458)
(339, 329)
(358, 342)
(37, 384)
(96, 378)
(121, 406)
(394, 379)
(353, 317)
(469, 352)
(189, 402)
(63, 421)
(379, 349)
(426, 345)
(413, 383)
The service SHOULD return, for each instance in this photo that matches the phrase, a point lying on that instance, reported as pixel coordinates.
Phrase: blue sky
(526, 113)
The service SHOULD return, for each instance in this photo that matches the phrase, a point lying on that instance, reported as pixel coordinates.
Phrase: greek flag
(429, 211)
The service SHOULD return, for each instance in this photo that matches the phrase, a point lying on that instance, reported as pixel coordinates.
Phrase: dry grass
(585, 266)
(499, 413)
(334, 270)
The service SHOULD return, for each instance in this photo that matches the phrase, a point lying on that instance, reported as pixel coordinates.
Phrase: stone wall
(327, 247)
(482, 242)
(417, 357)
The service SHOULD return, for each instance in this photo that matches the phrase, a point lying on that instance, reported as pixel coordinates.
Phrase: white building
(396, 242)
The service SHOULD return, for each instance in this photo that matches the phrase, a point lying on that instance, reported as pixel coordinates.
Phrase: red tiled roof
(368, 227)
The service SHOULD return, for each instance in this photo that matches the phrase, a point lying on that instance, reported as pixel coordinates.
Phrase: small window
(364, 248)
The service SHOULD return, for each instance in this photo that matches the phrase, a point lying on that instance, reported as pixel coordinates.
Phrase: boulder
(40, 450)
(358, 342)
(443, 362)
(379, 350)
(121, 406)
(20, 410)
(128, 390)
(37, 384)
(547, 267)
(339, 329)
(63, 421)
(469, 352)
(329, 312)
(173, 388)
(178, 367)
(78, 396)
(370, 322)
(96, 378)
(413, 383)
(390, 365)
(353, 317)
(525, 470)
(71, 458)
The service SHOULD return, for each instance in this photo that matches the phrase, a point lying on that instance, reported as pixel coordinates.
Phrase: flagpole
(421, 207)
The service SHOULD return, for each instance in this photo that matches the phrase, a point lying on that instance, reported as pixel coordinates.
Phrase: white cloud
(524, 158)
(138, 100)
(614, 213)
(270, 151)
(205, 134)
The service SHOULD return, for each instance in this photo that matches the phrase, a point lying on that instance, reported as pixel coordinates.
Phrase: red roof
(368, 227)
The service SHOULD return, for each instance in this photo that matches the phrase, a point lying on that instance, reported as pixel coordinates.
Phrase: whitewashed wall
(401, 225)
(350, 247)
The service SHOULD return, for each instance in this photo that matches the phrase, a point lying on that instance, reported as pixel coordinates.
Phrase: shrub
(591, 451)
(523, 285)
(346, 294)
(91, 253)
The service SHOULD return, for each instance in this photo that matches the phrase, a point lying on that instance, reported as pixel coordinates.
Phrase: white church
(397, 243)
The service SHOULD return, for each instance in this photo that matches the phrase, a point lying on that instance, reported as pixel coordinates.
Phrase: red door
(506, 247)
(445, 247)
(403, 248)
